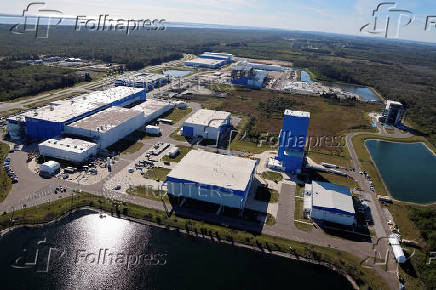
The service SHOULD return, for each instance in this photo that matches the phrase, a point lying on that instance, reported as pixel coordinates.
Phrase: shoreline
(381, 177)
(92, 210)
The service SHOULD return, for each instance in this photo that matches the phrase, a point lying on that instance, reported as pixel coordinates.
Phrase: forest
(399, 70)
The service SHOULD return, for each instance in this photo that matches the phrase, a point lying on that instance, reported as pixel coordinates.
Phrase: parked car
(117, 187)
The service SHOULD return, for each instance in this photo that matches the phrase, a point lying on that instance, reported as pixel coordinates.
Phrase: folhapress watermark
(106, 257)
(41, 256)
(388, 20)
(39, 20)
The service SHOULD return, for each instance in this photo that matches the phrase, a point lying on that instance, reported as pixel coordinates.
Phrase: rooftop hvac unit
(35, 113)
(75, 146)
(51, 108)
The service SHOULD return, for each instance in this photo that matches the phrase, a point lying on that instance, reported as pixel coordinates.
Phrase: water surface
(175, 260)
(408, 170)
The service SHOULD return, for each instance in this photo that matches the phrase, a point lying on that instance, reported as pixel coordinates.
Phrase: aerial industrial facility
(207, 124)
(214, 178)
(292, 140)
(49, 121)
(329, 202)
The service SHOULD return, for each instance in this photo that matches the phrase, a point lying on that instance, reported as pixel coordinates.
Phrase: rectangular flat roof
(301, 114)
(208, 118)
(207, 61)
(64, 110)
(105, 120)
(150, 106)
(208, 168)
(332, 196)
(69, 144)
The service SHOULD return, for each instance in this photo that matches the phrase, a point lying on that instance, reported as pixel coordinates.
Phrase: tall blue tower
(293, 140)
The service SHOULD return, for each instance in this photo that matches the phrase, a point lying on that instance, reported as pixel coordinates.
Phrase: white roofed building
(108, 126)
(330, 202)
(207, 124)
(68, 149)
(153, 109)
(211, 177)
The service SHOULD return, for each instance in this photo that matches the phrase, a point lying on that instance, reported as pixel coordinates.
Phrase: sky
(334, 16)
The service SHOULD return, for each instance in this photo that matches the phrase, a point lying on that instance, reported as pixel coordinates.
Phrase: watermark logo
(38, 258)
(33, 18)
(41, 255)
(388, 20)
(386, 16)
(38, 19)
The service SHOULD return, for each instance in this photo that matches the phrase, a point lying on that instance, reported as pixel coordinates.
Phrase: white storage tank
(153, 130)
(174, 152)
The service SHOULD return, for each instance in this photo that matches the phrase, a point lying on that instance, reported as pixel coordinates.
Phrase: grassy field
(177, 114)
(417, 271)
(365, 158)
(340, 159)
(328, 118)
(343, 261)
(148, 192)
(5, 181)
(266, 194)
(183, 150)
(128, 144)
(157, 173)
(271, 175)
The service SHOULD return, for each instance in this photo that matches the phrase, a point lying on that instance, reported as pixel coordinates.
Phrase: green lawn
(271, 175)
(157, 173)
(340, 159)
(129, 144)
(266, 194)
(177, 114)
(5, 181)
(183, 150)
(148, 192)
(178, 137)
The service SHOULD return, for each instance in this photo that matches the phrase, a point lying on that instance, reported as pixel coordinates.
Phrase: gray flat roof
(106, 120)
(208, 118)
(208, 61)
(332, 196)
(208, 168)
(69, 144)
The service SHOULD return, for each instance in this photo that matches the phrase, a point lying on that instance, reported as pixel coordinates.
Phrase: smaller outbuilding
(68, 149)
(207, 124)
(330, 202)
(49, 168)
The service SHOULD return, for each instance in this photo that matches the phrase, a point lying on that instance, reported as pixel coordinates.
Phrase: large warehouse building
(153, 109)
(329, 202)
(49, 121)
(292, 140)
(214, 178)
(108, 126)
(207, 124)
(227, 57)
(148, 81)
(205, 62)
(73, 150)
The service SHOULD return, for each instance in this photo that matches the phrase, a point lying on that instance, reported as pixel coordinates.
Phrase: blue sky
(336, 16)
